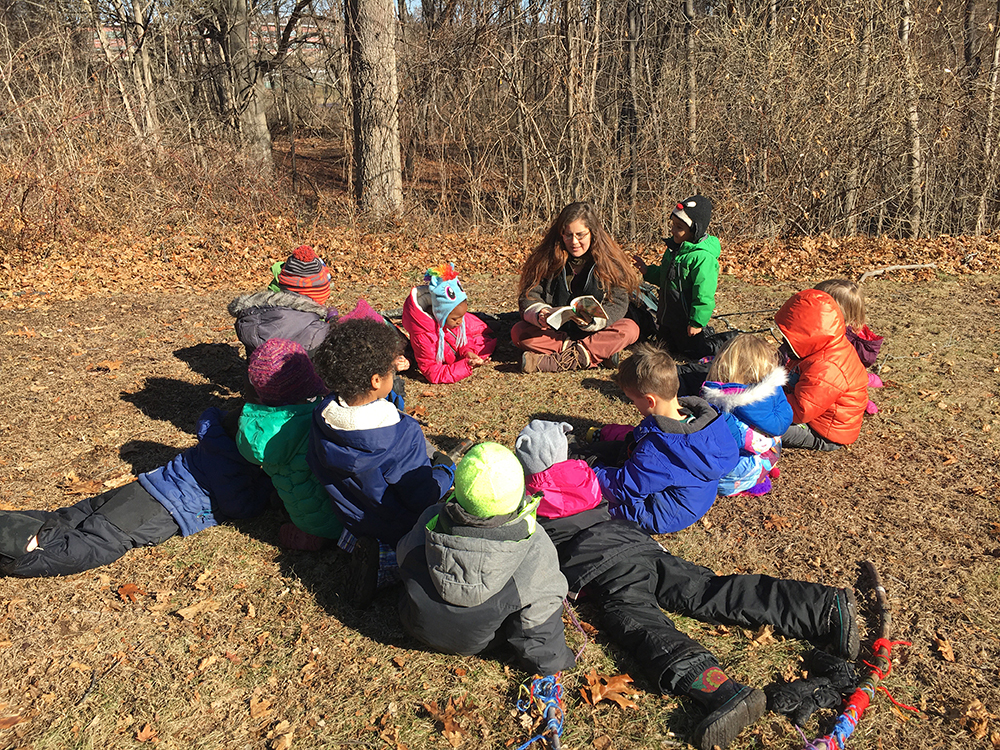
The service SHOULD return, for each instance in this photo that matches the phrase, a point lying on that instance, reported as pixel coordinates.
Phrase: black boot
(731, 706)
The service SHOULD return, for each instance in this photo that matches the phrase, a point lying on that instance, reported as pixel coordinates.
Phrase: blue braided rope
(546, 694)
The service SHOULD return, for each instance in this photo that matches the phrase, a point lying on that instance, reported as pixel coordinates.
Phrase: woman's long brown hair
(611, 267)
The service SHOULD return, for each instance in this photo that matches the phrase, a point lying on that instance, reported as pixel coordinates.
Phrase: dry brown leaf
(79, 666)
(205, 605)
(602, 687)
(147, 734)
(207, 662)
(944, 647)
(8, 721)
(602, 743)
(418, 411)
(455, 709)
(259, 707)
(129, 592)
(764, 636)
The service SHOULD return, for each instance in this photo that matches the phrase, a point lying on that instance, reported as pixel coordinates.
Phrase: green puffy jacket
(277, 439)
(687, 277)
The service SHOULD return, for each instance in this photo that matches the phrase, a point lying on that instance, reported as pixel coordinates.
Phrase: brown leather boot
(574, 357)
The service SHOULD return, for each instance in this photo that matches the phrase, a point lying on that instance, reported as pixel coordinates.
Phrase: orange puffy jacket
(832, 390)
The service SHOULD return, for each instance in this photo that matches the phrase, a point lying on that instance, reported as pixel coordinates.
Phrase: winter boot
(731, 707)
(844, 639)
(574, 357)
(363, 572)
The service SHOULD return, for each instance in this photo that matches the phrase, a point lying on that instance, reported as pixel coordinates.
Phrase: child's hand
(693, 331)
(639, 263)
(401, 363)
(474, 359)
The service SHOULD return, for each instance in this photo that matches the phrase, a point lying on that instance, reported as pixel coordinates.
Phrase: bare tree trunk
(371, 34)
(633, 115)
(912, 97)
(864, 69)
(989, 140)
(574, 84)
(692, 80)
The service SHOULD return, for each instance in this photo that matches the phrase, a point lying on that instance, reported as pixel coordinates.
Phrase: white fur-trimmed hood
(750, 394)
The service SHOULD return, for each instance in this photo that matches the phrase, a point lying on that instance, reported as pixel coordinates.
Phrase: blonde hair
(746, 359)
(848, 297)
(649, 370)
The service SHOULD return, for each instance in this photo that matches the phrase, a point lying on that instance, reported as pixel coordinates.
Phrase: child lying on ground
(745, 384)
(373, 459)
(828, 385)
(673, 459)
(207, 484)
(478, 572)
(274, 434)
(448, 341)
(633, 579)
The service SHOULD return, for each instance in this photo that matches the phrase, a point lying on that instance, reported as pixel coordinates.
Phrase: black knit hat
(696, 212)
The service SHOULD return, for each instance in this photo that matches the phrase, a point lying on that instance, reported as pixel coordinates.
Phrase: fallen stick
(881, 271)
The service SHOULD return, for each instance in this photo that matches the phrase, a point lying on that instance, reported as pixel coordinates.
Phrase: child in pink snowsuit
(448, 341)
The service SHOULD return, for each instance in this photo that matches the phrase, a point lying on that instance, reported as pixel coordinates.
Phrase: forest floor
(224, 640)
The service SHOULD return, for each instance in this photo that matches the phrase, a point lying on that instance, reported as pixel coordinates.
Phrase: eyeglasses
(579, 236)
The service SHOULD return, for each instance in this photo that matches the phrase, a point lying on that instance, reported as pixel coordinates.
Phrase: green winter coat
(687, 278)
(277, 439)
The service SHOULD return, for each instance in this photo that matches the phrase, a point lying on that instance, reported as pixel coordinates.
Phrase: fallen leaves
(944, 647)
(976, 719)
(604, 688)
(198, 608)
(130, 592)
(450, 716)
(8, 721)
(147, 734)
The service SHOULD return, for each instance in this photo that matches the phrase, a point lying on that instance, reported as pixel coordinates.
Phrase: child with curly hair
(577, 257)
(373, 459)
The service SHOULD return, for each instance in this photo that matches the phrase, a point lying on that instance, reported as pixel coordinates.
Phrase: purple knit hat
(282, 374)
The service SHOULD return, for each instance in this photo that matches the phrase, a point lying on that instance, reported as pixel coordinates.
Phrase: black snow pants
(634, 591)
(94, 532)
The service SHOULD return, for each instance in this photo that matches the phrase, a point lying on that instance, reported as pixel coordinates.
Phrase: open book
(582, 310)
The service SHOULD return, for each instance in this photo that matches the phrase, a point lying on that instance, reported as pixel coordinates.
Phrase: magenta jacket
(423, 330)
(567, 487)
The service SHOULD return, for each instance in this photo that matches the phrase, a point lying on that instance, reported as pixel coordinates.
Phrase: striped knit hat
(282, 374)
(306, 274)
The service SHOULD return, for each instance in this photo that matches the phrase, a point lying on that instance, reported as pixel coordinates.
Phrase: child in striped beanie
(303, 273)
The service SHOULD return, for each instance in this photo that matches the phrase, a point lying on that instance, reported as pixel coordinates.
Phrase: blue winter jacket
(671, 478)
(210, 482)
(757, 415)
(373, 461)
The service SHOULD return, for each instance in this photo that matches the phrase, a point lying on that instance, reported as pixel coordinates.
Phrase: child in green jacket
(687, 278)
(274, 434)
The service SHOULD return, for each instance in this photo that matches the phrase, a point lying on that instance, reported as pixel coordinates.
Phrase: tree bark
(371, 34)
(912, 97)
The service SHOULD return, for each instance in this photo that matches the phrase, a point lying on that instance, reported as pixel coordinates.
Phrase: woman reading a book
(573, 296)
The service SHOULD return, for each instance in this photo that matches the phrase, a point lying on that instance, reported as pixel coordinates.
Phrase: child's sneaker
(844, 638)
(871, 409)
(874, 381)
(362, 573)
